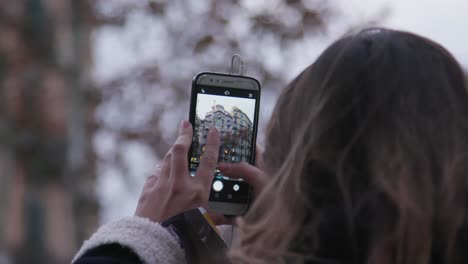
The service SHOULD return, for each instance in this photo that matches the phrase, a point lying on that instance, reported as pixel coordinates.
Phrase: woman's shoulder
(109, 254)
(128, 238)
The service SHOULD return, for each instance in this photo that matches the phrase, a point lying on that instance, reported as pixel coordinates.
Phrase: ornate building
(235, 129)
(48, 204)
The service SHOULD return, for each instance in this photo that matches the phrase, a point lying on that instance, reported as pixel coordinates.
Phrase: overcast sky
(445, 21)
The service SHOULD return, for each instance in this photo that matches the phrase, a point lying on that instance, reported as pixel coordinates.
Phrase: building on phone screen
(235, 129)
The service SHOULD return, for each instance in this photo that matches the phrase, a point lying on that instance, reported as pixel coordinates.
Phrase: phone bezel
(236, 82)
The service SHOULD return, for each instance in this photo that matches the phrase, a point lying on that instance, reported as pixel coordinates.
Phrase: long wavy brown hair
(368, 153)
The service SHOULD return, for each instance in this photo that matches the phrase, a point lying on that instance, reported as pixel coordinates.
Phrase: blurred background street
(92, 92)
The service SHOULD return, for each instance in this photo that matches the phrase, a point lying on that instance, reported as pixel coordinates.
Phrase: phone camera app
(233, 117)
(218, 186)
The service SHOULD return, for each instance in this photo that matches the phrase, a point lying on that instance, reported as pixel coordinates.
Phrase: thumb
(252, 175)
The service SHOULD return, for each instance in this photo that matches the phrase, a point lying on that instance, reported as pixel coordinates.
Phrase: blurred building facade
(47, 167)
(48, 203)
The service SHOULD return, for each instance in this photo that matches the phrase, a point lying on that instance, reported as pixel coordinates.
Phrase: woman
(367, 159)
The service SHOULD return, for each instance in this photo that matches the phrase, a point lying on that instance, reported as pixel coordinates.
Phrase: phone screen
(232, 111)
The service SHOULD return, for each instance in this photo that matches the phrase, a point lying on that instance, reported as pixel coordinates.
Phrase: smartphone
(231, 104)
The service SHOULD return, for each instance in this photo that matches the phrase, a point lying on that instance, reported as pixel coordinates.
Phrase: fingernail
(223, 166)
(184, 124)
(213, 132)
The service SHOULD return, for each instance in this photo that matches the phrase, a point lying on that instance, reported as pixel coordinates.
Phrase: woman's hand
(253, 175)
(171, 190)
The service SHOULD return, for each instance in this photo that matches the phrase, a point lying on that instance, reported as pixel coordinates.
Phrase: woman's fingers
(151, 181)
(209, 159)
(179, 151)
(171, 195)
(153, 178)
(252, 175)
(259, 156)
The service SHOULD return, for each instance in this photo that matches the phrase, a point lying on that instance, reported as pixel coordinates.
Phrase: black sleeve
(109, 254)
